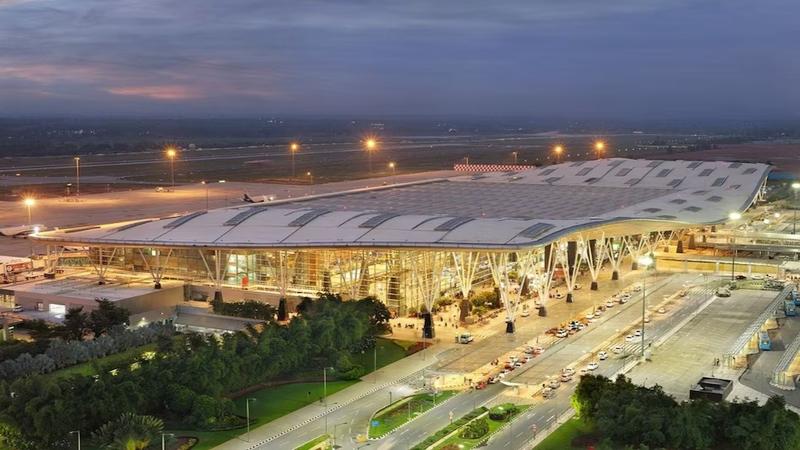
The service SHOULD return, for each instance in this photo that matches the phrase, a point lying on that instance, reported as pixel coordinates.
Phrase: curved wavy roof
(490, 211)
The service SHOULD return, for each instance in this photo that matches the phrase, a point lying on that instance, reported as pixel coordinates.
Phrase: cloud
(351, 56)
(168, 92)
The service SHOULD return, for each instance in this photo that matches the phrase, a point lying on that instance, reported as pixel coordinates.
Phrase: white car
(525, 313)
(630, 338)
(610, 304)
(589, 316)
(602, 356)
(637, 333)
(592, 366)
(637, 288)
(17, 308)
(568, 371)
(618, 349)
(554, 383)
(562, 333)
(622, 300)
(662, 310)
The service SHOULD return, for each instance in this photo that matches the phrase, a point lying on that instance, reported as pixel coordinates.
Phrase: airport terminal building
(407, 243)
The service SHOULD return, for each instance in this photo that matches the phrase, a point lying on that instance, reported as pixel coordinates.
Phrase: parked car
(17, 308)
(617, 349)
(548, 393)
(553, 383)
(630, 338)
(602, 356)
(722, 292)
(662, 310)
(562, 333)
(592, 366)
(569, 371)
(609, 304)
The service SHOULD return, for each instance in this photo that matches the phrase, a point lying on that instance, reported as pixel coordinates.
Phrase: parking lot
(690, 353)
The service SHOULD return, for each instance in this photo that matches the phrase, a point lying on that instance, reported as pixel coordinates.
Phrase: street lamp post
(205, 183)
(393, 166)
(171, 153)
(645, 261)
(247, 408)
(29, 202)
(78, 433)
(515, 157)
(734, 217)
(77, 176)
(558, 150)
(334, 433)
(164, 440)
(599, 146)
(795, 188)
(370, 146)
(293, 149)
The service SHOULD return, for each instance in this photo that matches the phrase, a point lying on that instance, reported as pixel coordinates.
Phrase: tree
(128, 432)
(106, 316)
(75, 323)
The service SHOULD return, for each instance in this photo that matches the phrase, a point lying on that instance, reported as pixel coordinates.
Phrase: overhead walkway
(783, 377)
(747, 343)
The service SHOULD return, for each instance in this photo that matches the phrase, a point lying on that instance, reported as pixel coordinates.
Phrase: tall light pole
(370, 145)
(733, 217)
(558, 150)
(333, 444)
(77, 176)
(205, 183)
(599, 146)
(29, 203)
(645, 261)
(515, 157)
(310, 177)
(171, 153)
(164, 439)
(393, 166)
(325, 394)
(795, 188)
(293, 148)
(78, 432)
(247, 408)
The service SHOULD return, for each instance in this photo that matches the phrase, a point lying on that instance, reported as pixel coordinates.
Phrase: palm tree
(128, 432)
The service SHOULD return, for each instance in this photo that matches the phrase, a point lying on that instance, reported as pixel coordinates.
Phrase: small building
(712, 389)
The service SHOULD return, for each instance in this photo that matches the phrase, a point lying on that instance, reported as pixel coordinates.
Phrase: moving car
(617, 349)
(17, 308)
(722, 292)
(548, 393)
(553, 383)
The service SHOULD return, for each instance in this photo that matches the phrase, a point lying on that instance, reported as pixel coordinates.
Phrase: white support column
(466, 264)
(427, 276)
(217, 275)
(570, 270)
(594, 257)
(101, 267)
(543, 278)
(156, 269)
(615, 252)
(635, 248)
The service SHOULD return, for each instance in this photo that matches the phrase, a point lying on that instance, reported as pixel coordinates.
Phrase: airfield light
(171, 153)
(293, 148)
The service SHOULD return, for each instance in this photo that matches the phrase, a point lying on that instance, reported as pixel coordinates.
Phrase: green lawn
(271, 403)
(403, 410)
(494, 425)
(389, 351)
(274, 402)
(87, 368)
(310, 444)
(561, 438)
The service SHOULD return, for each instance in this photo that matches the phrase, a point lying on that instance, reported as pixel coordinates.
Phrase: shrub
(502, 412)
(475, 429)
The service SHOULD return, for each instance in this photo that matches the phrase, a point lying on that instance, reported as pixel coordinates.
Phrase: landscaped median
(319, 443)
(474, 429)
(402, 411)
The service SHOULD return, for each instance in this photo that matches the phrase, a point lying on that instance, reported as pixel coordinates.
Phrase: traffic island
(474, 429)
(399, 413)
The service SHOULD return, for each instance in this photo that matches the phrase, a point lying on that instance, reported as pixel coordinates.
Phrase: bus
(764, 343)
